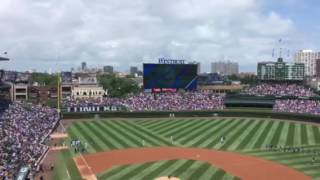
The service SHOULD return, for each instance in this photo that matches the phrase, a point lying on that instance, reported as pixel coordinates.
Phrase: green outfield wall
(234, 112)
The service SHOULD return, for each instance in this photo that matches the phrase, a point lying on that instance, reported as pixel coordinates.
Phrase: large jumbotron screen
(178, 76)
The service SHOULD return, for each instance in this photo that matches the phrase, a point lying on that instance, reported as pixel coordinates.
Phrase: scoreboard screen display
(178, 76)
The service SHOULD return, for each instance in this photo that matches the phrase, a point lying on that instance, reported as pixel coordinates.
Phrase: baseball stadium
(265, 131)
(159, 90)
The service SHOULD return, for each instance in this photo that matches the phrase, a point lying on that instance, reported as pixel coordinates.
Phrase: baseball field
(244, 137)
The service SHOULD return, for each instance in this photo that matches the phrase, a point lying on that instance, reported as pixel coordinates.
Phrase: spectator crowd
(189, 101)
(273, 89)
(22, 129)
(297, 106)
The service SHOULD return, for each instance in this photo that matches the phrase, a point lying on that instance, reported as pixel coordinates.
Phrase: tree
(247, 79)
(116, 86)
(44, 79)
(234, 77)
(250, 79)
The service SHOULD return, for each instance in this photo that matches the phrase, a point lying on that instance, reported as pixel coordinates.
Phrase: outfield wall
(245, 112)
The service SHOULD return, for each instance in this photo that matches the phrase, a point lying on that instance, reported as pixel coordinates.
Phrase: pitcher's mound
(167, 178)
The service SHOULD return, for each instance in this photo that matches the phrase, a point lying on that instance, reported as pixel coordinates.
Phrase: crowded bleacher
(189, 101)
(22, 129)
(297, 106)
(274, 89)
(24, 126)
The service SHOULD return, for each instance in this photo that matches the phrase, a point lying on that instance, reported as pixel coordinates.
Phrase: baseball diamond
(159, 90)
(286, 143)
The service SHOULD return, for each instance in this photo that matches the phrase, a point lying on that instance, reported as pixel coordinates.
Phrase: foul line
(85, 161)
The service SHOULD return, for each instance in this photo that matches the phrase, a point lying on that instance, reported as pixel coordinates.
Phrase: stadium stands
(274, 89)
(22, 129)
(189, 101)
(4, 104)
(297, 106)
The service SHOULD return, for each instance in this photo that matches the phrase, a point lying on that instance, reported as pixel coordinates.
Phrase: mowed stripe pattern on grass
(254, 136)
(243, 135)
(184, 169)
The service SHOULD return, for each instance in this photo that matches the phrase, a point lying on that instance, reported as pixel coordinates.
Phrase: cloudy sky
(60, 34)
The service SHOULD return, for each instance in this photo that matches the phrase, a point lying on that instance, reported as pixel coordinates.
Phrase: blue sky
(305, 15)
(58, 34)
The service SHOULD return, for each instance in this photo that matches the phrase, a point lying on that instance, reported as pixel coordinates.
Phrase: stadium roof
(4, 59)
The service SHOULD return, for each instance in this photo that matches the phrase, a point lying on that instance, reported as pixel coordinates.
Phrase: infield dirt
(242, 166)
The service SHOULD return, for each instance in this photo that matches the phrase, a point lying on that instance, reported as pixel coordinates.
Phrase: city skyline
(60, 35)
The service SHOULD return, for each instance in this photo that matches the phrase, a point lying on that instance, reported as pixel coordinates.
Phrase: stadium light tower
(281, 50)
(4, 58)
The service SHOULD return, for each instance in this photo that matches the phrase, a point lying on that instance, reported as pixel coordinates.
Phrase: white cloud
(124, 32)
(272, 24)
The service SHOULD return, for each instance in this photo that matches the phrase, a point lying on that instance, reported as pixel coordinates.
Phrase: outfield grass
(184, 169)
(244, 135)
(65, 167)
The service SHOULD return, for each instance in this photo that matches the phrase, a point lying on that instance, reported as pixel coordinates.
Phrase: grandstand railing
(43, 143)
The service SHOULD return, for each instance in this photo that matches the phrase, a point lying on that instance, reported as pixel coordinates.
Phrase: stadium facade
(280, 71)
(81, 85)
